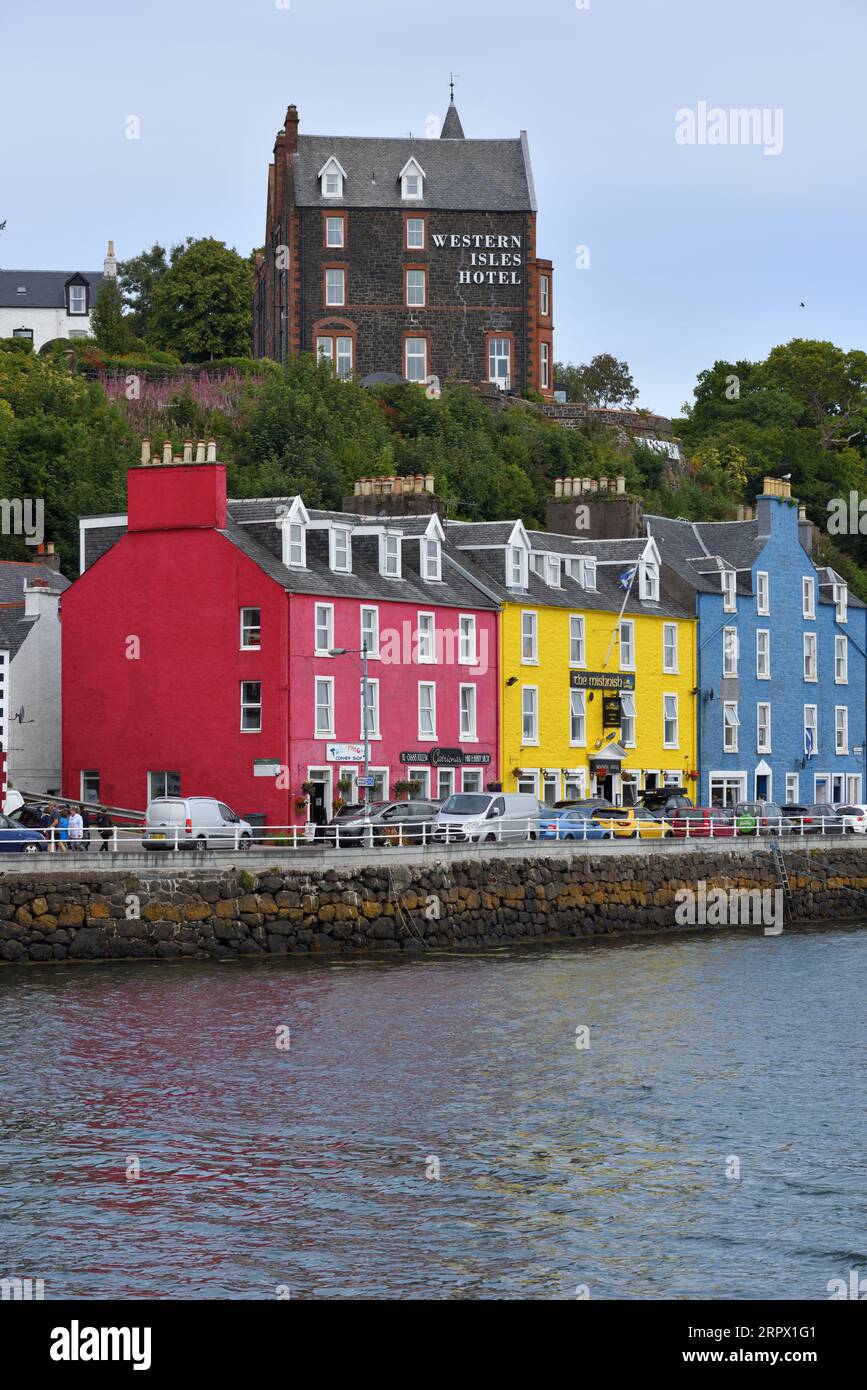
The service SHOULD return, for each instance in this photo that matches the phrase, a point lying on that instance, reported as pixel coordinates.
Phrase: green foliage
(109, 327)
(137, 278)
(202, 306)
(24, 345)
(604, 381)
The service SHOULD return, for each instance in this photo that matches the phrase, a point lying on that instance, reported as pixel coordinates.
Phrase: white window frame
(808, 596)
(318, 624)
(426, 638)
(334, 557)
(248, 626)
(431, 559)
(763, 745)
(477, 780)
(468, 654)
(729, 580)
(577, 716)
(730, 726)
(415, 290)
(415, 357)
(841, 730)
(296, 544)
(517, 567)
(841, 659)
(626, 663)
(544, 365)
(318, 730)
(330, 224)
(669, 719)
(469, 730)
(373, 706)
(390, 550)
(763, 654)
(246, 703)
(840, 595)
(415, 245)
(553, 571)
(588, 573)
(648, 581)
(412, 192)
(544, 295)
(628, 721)
(373, 627)
(793, 787)
(763, 594)
(77, 296)
(532, 740)
(731, 653)
(428, 736)
(811, 721)
(333, 287)
(577, 643)
(670, 652)
(811, 657)
(530, 620)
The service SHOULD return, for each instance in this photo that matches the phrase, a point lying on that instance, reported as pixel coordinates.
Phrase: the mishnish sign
(495, 258)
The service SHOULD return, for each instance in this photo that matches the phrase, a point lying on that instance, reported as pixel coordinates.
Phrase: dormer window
(340, 544)
(294, 523)
(389, 555)
(841, 601)
(552, 571)
(76, 299)
(588, 577)
(648, 581)
(297, 549)
(331, 177)
(431, 559)
(517, 567)
(412, 178)
(729, 589)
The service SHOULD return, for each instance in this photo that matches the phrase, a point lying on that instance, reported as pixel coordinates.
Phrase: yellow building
(597, 663)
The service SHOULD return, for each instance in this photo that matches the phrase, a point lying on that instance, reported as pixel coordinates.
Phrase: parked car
(385, 822)
(819, 818)
(761, 818)
(854, 818)
(665, 801)
(19, 839)
(703, 822)
(193, 822)
(572, 823)
(26, 815)
(486, 816)
(588, 803)
(637, 824)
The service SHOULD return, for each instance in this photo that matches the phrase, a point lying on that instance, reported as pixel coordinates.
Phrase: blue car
(19, 839)
(571, 823)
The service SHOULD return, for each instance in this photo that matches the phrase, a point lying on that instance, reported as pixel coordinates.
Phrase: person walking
(76, 829)
(88, 820)
(50, 825)
(63, 829)
(103, 821)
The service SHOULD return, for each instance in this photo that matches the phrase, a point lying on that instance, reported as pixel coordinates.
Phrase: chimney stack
(145, 451)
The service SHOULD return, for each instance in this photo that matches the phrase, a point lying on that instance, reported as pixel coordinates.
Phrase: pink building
(198, 651)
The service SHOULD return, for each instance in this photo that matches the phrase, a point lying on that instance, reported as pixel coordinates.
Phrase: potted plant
(402, 789)
(300, 805)
(344, 786)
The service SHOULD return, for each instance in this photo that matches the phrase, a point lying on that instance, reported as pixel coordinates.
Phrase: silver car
(194, 822)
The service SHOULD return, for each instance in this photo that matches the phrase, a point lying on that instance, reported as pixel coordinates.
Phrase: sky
(668, 254)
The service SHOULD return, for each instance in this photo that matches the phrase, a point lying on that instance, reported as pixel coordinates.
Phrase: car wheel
(30, 848)
(244, 843)
(669, 835)
(489, 839)
(201, 844)
(634, 835)
(533, 835)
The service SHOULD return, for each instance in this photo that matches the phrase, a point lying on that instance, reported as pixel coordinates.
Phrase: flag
(626, 578)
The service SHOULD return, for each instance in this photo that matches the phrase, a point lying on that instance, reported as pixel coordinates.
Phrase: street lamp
(362, 652)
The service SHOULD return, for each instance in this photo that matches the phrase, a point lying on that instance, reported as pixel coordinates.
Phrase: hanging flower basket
(601, 772)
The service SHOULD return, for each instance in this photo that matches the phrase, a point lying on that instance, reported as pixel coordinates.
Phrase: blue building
(782, 657)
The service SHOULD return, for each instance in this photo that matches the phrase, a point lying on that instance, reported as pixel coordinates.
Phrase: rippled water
(306, 1168)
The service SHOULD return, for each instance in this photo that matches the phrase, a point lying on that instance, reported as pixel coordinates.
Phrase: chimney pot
(428, 482)
(167, 451)
(558, 487)
(145, 451)
(621, 483)
(212, 451)
(200, 451)
(188, 451)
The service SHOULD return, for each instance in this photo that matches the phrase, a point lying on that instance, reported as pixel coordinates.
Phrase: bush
(16, 344)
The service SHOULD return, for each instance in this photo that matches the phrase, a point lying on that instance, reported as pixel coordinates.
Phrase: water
(306, 1168)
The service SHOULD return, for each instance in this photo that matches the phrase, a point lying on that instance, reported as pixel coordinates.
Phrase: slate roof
(45, 288)
(460, 174)
(14, 573)
(14, 627)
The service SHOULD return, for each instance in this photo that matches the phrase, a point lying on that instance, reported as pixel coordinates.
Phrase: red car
(703, 823)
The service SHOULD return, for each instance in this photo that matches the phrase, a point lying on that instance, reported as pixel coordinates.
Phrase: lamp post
(362, 652)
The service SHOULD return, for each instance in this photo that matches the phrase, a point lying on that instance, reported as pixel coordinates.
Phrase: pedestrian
(87, 818)
(50, 823)
(63, 829)
(76, 829)
(103, 821)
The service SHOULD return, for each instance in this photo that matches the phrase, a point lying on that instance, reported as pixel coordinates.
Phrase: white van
(194, 822)
(485, 816)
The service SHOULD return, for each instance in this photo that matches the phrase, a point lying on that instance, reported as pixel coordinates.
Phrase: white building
(45, 304)
(30, 671)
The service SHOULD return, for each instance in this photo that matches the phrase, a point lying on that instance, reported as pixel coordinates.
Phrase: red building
(198, 641)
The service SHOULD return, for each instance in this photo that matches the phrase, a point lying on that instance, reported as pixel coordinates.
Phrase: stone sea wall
(204, 913)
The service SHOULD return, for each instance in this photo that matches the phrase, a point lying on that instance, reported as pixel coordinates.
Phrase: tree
(202, 307)
(109, 326)
(603, 381)
(137, 278)
(830, 383)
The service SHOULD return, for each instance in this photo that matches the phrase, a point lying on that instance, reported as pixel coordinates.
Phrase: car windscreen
(167, 813)
(372, 808)
(466, 804)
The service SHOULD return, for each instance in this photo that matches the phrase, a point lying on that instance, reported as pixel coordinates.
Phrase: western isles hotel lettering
(494, 251)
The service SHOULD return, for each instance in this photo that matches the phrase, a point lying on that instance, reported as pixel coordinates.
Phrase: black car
(665, 801)
(386, 823)
(819, 818)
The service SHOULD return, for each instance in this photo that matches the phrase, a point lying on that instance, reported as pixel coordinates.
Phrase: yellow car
(634, 823)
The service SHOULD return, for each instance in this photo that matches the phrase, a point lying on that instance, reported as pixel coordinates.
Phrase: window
(730, 652)
(529, 714)
(729, 590)
(577, 718)
(840, 595)
(251, 629)
(841, 660)
(553, 571)
(627, 646)
(763, 654)
(529, 638)
(500, 362)
(425, 638)
(77, 299)
(589, 574)
(251, 707)
(335, 287)
(648, 581)
(427, 710)
(389, 556)
(467, 655)
(544, 296)
(331, 177)
(808, 595)
(415, 359)
(372, 709)
(335, 231)
(841, 729)
(431, 559)
(324, 707)
(416, 289)
(731, 724)
(296, 550)
(544, 365)
(669, 648)
(669, 721)
(415, 234)
(340, 544)
(763, 728)
(412, 180)
(810, 664)
(763, 598)
(90, 786)
(24, 333)
(793, 786)
(468, 713)
(163, 784)
(811, 732)
(445, 782)
(323, 639)
(853, 787)
(576, 639)
(471, 781)
(627, 718)
(517, 567)
(339, 352)
(420, 784)
(370, 630)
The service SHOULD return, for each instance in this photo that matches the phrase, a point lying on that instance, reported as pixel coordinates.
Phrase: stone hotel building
(412, 257)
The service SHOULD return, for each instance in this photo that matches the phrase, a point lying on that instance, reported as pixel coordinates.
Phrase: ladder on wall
(782, 875)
